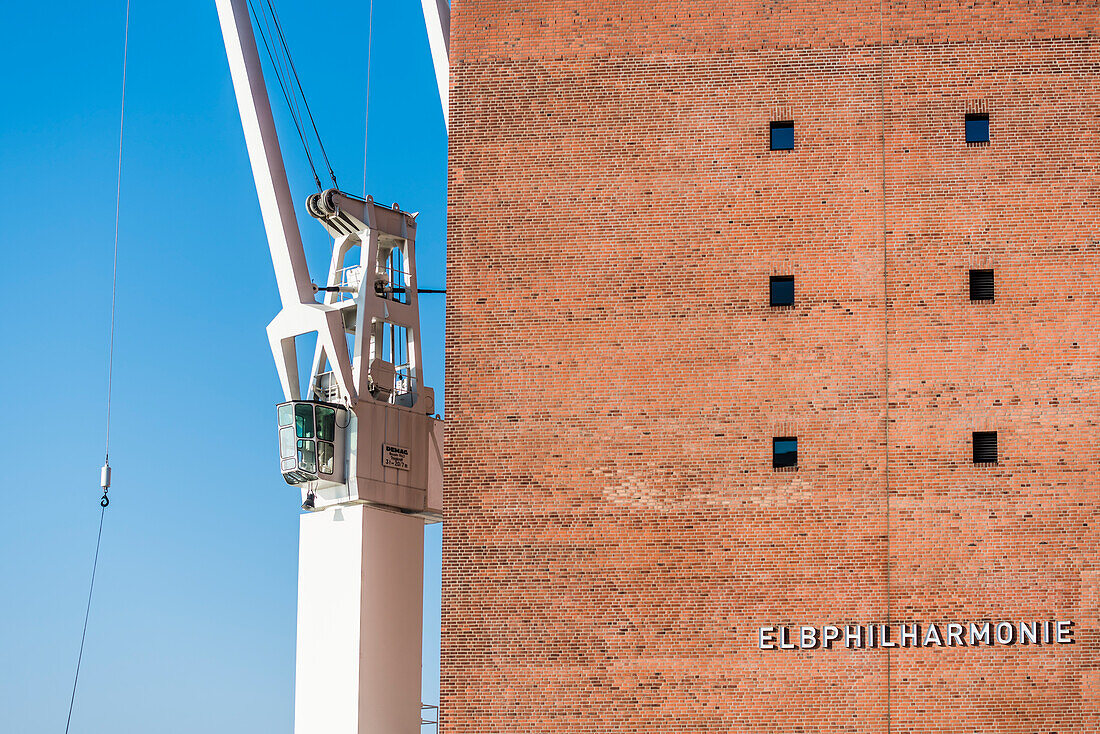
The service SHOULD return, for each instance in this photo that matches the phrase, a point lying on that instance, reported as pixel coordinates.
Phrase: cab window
(303, 420)
(326, 423)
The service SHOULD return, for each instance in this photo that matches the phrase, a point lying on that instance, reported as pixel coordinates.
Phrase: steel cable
(87, 613)
(366, 111)
(110, 367)
(294, 115)
(298, 82)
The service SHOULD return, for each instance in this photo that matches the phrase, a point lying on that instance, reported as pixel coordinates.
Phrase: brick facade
(615, 533)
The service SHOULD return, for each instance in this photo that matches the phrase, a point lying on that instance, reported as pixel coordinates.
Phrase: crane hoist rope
(278, 54)
(298, 83)
(366, 103)
(105, 471)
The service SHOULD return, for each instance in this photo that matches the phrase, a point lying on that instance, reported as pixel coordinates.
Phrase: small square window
(977, 128)
(782, 135)
(981, 285)
(985, 447)
(782, 290)
(785, 453)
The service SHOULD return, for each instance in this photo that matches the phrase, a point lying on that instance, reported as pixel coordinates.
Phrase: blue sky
(193, 621)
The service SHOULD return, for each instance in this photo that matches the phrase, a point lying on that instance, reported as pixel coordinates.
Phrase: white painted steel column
(360, 607)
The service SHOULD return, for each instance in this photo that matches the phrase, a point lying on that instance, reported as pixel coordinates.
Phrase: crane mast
(359, 438)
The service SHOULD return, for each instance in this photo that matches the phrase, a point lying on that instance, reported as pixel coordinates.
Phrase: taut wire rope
(366, 110)
(110, 370)
(275, 66)
(298, 82)
(114, 257)
(87, 612)
(282, 64)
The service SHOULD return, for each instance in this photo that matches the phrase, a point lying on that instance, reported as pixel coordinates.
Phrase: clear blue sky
(193, 621)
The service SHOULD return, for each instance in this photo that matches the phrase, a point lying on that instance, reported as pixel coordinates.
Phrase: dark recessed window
(783, 135)
(785, 453)
(782, 290)
(977, 128)
(985, 447)
(981, 285)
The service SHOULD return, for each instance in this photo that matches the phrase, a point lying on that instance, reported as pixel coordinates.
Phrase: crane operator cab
(311, 442)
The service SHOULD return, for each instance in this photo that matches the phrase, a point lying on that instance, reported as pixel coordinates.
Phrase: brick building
(621, 520)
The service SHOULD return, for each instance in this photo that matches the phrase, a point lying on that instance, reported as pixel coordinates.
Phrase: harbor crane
(359, 437)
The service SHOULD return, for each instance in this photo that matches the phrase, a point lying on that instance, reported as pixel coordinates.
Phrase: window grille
(985, 447)
(981, 285)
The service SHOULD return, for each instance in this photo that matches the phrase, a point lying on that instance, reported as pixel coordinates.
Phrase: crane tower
(359, 438)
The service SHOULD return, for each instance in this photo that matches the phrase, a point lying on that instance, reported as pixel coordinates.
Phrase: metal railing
(325, 388)
(350, 277)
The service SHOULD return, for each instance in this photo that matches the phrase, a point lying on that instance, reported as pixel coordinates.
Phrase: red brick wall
(615, 534)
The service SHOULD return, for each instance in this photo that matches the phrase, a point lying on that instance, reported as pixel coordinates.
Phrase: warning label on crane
(395, 457)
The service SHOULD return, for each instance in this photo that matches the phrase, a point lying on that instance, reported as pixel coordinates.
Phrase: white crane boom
(437, 18)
